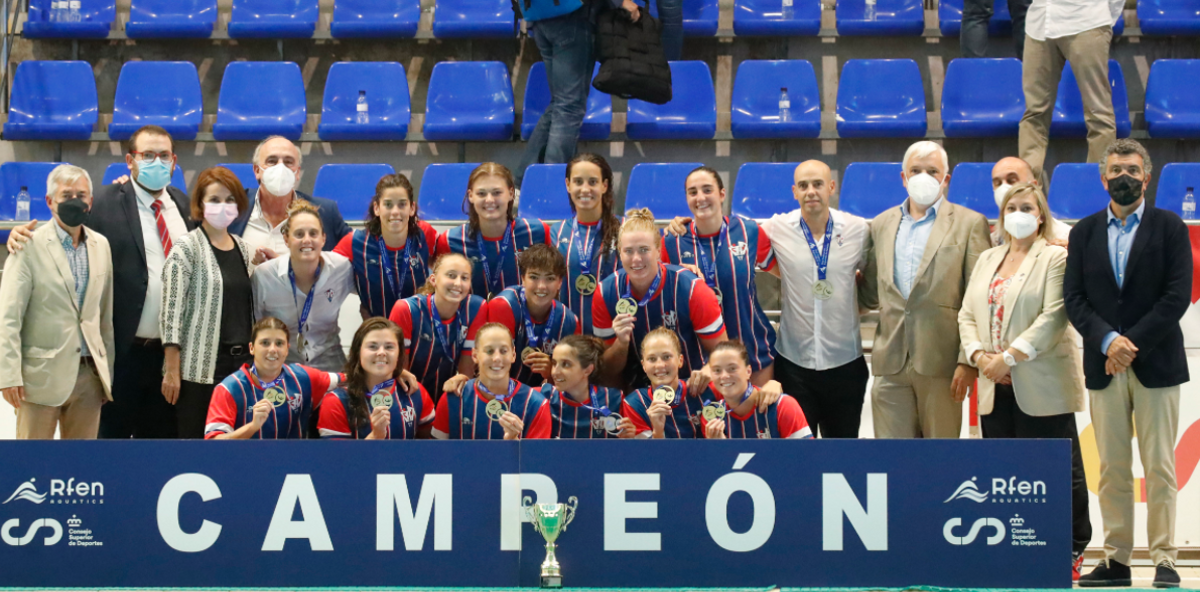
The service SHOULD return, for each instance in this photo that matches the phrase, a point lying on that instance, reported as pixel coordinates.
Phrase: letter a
(311, 526)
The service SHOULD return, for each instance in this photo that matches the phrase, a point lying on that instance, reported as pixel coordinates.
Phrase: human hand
(262, 255)
(20, 235)
(623, 327)
(513, 426)
(697, 382)
(632, 9)
(120, 180)
(170, 384)
(658, 412)
(409, 381)
(1122, 351)
(540, 363)
(380, 418)
(1113, 367)
(995, 368)
(261, 410)
(628, 430)
(15, 395)
(767, 395)
(455, 385)
(960, 385)
(715, 429)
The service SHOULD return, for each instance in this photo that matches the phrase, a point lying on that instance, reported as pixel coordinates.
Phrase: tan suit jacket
(924, 327)
(40, 319)
(1051, 383)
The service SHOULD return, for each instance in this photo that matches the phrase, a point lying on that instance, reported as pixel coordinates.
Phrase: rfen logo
(69, 491)
(27, 491)
(968, 491)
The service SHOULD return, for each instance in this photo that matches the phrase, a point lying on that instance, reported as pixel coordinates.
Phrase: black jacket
(1146, 309)
(331, 219)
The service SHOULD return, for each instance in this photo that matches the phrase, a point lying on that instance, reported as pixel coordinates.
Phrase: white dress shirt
(1054, 19)
(259, 233)
(275, 297)
(148, 326)
(818, 334)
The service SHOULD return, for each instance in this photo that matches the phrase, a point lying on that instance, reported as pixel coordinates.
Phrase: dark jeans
(974, 35)
(138, 409)
(670, 15)
(192, 407)
(565, 43)
(832, 399)
(1008, 421)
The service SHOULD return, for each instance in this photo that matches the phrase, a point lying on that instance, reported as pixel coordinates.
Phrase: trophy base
(552, 581)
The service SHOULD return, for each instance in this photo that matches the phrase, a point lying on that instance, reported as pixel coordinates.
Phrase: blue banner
(164, 514)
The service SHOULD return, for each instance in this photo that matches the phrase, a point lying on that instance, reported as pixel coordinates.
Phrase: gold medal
(525, 353)
(496, 409)
(822, 289)
(276, 396)
(664, 394)
(585, 284)
(714, 411)
(381, 400)
(627, 306)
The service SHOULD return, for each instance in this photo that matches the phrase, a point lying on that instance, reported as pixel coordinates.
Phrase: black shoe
(1109, 573)
(1165, 575)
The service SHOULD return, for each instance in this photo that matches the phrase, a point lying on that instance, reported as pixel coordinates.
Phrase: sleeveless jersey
(506, 309)
(377, 293)
(783, 419)
(562, 234)
(407, 412)
(525, 233)
(569, 419)
(465, 418)
(431, 364)
(684, 421)
(233, 402)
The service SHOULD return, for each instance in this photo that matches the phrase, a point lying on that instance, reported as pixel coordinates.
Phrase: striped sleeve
(441, 421)
(344, 247)
(792, 423)
(765, 258)
(332, 422)
(539, 427)
(428, 407)
(705, 310)
(222, 412)
(601, 321)
(402, 316)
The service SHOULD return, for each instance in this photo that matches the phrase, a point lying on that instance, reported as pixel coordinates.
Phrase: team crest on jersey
(426, 337)
(467, 421)
(408, 414)
(839, 240)
(329, 295)
(695, 419)
(671, 321)
(739, 249)
(764, 434)
(462, 333)
(294, 401)
(414, 261)
(565, 241)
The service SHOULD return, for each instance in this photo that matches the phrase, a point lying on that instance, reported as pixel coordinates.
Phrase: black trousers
(974, 35)
(191, 410)
(138, 409)
(1008, 421)
(832, 399)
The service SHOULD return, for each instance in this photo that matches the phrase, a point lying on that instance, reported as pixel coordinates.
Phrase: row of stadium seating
(473, 101)
(760, 189)
(277, 19)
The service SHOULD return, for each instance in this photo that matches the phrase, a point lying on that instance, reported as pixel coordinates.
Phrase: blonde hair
(638, 220)
(299, 207)
(435, 266)
(664, 333)
(1043, 206)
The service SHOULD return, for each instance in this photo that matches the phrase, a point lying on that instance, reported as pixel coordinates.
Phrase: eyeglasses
(148, 157)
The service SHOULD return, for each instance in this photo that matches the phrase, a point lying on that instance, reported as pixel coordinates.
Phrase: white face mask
(278, 180)
(1002, 191)
(220, 215)
(924, 189)
(1020, 224)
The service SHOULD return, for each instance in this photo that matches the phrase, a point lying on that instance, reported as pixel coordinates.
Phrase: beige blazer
(1035, 322)
(40, 319)
(924, 327)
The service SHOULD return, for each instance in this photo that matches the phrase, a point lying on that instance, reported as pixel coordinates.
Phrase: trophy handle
(530, 509)
(572, 504)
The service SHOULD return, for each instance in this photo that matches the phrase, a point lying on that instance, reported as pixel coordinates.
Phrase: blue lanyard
(389, 262)
(585, 248)
(387, 384)
(505, 243)
(267, 385)
(512, 390)
(308, 300)
(746, 395)
(532, 339)
(710, 267)
(822, 258)
(627, 292)
(596, 405)
(439, 329)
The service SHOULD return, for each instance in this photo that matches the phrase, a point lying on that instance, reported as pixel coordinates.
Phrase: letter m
(838, 501)
(392, 498)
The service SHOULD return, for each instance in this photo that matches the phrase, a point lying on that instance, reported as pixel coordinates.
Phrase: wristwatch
(1009, 359)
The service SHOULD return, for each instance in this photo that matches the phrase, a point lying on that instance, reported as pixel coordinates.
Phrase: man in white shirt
(1009, 171)
(1058, 31)
(821, 360)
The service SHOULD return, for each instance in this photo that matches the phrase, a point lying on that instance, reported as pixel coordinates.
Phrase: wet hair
(667, 334)
(639, 220)
(356, 377)
(735, 346)
(492, 327)
(589, 351)
(492, 169)
(609, 223)
(222, 176)
(299, 207)
(373, 223)
(544, 258)
(266, 324)
(428, 288)
(709, 170)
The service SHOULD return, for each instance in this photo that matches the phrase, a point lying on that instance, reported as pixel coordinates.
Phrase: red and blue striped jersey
(408, 411)
(603, 264)
(783, 419)
(684, 421)
(746, 249)
(232, 404)
(465, 418)
(507, 310)
(526, 232)
(569, 419)
(418, 318)
(371, 277)
(683, 304)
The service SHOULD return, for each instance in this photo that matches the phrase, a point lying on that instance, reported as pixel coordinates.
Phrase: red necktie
(161, 222)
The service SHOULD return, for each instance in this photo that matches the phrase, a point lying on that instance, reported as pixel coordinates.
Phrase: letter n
(392, 498)
(838, 500)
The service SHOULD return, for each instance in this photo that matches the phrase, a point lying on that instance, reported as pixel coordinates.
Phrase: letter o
(168, 513)
(716, 512)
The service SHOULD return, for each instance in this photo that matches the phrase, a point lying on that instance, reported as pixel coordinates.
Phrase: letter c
(948, 531)
(168, 513)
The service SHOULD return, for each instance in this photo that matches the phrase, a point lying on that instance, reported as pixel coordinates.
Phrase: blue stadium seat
(386, 85)
(691, 114)
(982, 98)
(1173, 181)
(115, 170)
(273, 19)
(166, 94)
(96, 18)
(950, 13)
(473, 19)
(52, 101)
(469, 101)
(14, 176)
(1119, 26)
(375, 18)
(245, 174)
(765, 17)
(971, 187)
(172, 19)
(869, 188)
(659, 186)
(756, 100)
(352, 186)
(1169, 17)
(1076, 191)
(245, 113)
(764, 189)
(700, 17)
(443, 193)
(892, 17)
(1173, 99)
(544, 193)
(1068, 109)
(881, 99)
(597, 121)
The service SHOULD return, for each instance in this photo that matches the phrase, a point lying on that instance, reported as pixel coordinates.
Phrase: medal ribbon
(585, 248)
(822, 258)
(505, 243)
(512, 390)
(308, 300)
(439, 329)
(596, 405)
(627, 292)
(266, 385)
(532, 339)
(710, 267)
(385, 385)
(389, 263)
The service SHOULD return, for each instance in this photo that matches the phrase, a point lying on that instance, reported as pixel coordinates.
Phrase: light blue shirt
(911, 239)
(77, 259)
(1120, 242)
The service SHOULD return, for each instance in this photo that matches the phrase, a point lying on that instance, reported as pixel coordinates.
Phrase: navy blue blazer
(331, 219)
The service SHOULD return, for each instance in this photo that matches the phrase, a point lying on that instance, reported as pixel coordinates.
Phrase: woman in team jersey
(578, 408)
(726, 251)
(391, 255)
(589, 240)
(664, 409)
(492, 406)
(732, 413)
(267, 399)
(372, 405)
(493, 235)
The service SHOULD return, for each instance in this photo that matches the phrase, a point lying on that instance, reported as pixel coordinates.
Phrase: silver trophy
(551, 520)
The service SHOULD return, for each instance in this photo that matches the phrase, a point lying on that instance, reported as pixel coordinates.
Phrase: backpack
(540, 10)
(632, 63)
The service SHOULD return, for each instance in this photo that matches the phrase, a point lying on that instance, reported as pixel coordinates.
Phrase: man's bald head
(1012, 170)
(812, 186)
(810, 169)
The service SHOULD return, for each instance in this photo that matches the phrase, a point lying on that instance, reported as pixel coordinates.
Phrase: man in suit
(919, 257)
(1128, 282)
(277, 164)
(56, 313)
(141, 216)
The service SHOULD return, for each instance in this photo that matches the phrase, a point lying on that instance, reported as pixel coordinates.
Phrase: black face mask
(1124, 189)
(73, 212)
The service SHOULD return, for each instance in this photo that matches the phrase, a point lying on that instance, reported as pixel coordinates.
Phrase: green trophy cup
(551, 520)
